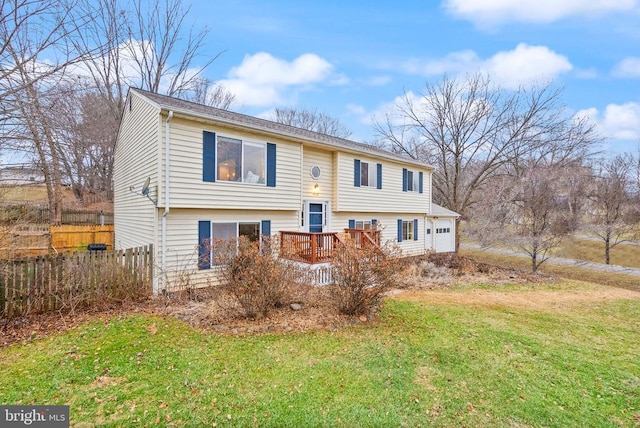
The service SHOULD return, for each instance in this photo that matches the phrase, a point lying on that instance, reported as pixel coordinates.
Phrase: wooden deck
(319, 247)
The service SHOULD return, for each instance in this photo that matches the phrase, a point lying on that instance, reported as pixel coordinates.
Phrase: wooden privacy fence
(66, 282)
(35, 240)
(40, 215)
(71, 238)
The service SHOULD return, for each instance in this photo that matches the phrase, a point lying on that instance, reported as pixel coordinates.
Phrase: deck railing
(308, 247)
(319, 247)
(364, 237)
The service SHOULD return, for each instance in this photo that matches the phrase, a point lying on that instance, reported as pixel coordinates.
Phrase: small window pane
(254, 163)
(410, 181)
(229, 158)
(407, 230)
(366, 225)
(364, 173)
(223, 231)
(250, 230)
(373, 175)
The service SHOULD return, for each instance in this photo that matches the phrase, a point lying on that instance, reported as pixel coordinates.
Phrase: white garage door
(444, 235)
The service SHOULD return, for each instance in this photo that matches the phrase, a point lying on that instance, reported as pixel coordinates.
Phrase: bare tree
(34, 56)
(142, 44)
(163, 49)
(471, 131)
(30, 29)
(612, 212)
(528, 213)
(205, 91)
(86, 132)
(311, 120)
(539, 216)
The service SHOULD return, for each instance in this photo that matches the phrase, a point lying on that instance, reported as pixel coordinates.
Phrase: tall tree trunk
(607, 250)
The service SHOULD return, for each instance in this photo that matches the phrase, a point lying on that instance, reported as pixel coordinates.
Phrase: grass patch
(457, 361)
(621, 280)
(593, 251)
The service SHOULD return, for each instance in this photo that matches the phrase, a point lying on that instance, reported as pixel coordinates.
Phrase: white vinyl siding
(182, 239)
(188, 190)
(324, 160)
(387, 224)
(136, 159)
(389, 199)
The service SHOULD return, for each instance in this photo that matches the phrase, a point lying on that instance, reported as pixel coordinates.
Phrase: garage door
(444, 235)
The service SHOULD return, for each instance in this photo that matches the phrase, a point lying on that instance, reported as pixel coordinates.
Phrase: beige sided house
(186, 174)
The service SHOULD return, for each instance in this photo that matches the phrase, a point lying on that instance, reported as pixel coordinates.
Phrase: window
(211, 233)
(367, 174)
(412, 181)
(407, 230)
(225, 231)
(232, 159)
(364, 224)
(240, 161)
(443, 230)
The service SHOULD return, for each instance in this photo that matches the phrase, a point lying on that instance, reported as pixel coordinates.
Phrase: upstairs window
(367, 174)
(238, 161)
(412, 181)
(241, 161)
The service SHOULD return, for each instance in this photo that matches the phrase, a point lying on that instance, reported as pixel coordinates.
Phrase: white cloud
(628, 67)
(389, 111)
(524, 64)
(486, 13)
(455, 62)
(262, 79)
(618, 121)
(356, 109)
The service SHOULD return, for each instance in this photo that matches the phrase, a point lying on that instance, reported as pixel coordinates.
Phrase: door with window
(316, 217)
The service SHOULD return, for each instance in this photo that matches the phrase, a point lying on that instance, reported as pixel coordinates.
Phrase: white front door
(315, 217)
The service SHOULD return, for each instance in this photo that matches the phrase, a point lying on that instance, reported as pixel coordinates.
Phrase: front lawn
(545, 355)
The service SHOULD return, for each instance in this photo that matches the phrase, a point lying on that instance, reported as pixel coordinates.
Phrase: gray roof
(438, 211)
(188, 108)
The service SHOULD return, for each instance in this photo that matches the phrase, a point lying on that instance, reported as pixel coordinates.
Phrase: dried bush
(421, 272)
(253, 275)
(362, 275)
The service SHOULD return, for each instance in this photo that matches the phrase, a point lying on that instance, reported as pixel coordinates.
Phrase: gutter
(166, 203)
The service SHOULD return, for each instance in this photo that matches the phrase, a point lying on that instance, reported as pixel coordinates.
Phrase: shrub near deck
(445, 358)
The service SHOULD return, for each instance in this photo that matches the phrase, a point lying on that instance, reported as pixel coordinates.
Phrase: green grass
(593, 251)
(422, 364)
(620, 280)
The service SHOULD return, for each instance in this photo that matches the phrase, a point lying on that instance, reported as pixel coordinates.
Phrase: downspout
(166, 201)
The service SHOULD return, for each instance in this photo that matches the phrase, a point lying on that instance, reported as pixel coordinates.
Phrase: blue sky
(351, 59)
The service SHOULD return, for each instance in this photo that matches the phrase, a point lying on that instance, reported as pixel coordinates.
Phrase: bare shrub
(362, 275)
(253, 275)
(421, 272)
